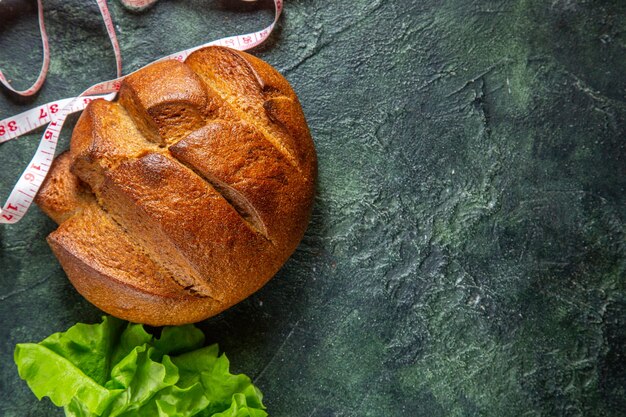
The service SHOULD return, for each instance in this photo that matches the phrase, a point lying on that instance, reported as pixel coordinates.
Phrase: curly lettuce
(117, 369)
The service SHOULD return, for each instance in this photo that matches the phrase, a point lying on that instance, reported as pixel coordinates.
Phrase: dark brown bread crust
(187, 194)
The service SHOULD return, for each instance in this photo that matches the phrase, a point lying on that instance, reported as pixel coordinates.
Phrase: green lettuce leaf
(52, 375)
(117, 369)
(87, 346)
(175, 402)
(77, 409)
(240, 408)
(212, 371)
(132, 336)
(179, 339)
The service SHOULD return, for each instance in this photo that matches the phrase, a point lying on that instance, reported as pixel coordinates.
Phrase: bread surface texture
(187, 193)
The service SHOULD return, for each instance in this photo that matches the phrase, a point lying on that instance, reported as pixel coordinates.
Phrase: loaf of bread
(186, 194)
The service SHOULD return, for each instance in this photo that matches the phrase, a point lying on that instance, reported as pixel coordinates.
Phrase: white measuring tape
(54, 113)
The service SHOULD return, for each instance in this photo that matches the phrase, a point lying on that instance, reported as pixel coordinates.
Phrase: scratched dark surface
(467, 252)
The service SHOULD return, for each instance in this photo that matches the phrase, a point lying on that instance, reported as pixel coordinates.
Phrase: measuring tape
(54, 113)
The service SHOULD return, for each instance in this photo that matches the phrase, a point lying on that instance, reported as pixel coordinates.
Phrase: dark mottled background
(466, 254)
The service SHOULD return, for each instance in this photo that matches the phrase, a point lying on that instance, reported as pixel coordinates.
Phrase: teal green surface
(467, 251)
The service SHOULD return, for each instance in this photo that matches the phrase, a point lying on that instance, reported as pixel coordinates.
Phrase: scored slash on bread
(188, 193)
